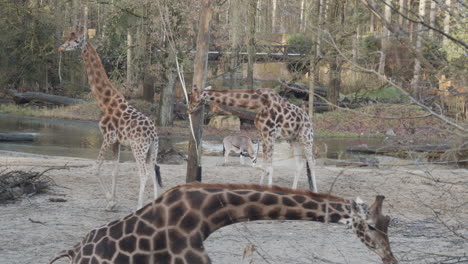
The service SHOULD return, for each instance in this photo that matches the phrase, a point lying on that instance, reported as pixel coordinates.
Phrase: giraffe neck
(250, 99)
(222, 205)
(101, 87)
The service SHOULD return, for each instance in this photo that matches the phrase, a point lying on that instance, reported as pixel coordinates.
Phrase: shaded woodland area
(346, 46)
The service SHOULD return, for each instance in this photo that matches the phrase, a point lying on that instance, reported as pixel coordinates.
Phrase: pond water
(83, 139)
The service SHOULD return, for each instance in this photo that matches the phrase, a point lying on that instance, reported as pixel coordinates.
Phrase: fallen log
(28, 97)
(390, 149)
(17, 136)
(240, 112)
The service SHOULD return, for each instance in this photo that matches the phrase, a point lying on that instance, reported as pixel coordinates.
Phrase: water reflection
(83, 139)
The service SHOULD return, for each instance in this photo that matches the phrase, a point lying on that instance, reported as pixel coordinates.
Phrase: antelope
(243, 144)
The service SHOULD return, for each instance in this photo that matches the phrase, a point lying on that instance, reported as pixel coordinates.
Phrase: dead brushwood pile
(16, 183)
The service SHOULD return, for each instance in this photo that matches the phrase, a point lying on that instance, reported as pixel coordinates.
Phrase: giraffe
(172, 228)
(275, 118)
(121, 124)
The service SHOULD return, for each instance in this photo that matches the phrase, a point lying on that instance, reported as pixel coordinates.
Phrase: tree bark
(417, 64)
(448, 6)
(274, 5)
(386, 37)
(201, 55)
(312, 70)
(432, 17)
(166, 103)
(129, 59)
(251, 13)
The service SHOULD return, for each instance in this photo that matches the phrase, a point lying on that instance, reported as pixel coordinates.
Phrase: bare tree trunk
(129, 60)
(199, 75)
(274, 6)
(432, 17)
(166, 103)
(385, 37)
(234, 36)
(312, 70)
(251, 13)
(448, 4)
(335, 84)
(403, 11)
(417, 64)
(302, 17)
(320, 14)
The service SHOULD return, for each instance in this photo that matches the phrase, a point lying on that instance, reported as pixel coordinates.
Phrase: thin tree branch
(384, 78)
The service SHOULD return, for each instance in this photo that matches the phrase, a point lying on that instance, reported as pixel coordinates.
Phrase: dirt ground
(428, 206)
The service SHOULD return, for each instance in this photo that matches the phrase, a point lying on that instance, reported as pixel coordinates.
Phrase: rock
(225, 122)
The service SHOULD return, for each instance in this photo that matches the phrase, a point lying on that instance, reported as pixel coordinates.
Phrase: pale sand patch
(415, 232)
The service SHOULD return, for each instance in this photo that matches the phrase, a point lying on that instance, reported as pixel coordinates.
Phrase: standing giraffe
(172, 228)
(121, 124)
(276, 118)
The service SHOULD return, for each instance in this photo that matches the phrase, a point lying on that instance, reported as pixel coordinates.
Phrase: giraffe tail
(62, 254)
(309, 177)
(158, 175)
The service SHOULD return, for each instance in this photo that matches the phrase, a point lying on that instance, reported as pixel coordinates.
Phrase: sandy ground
(428, 206)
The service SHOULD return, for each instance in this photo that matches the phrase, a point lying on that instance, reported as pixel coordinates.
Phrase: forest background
(349, 47)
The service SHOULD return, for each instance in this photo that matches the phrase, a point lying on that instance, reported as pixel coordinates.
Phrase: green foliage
(299, 43)
(370, 43)
(456, 54)
(28, 47)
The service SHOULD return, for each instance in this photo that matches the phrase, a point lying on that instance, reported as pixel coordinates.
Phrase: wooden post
(200, 62)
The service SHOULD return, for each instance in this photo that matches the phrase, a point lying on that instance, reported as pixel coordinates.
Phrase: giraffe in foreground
(172, 228)
(276, 118)
(121, 124)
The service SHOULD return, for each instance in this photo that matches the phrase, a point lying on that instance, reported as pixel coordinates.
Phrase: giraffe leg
(153, 156)
(116, 157)
(297, 152)
(140, 154)
(309, 153)
(106, 144)
(268, 144)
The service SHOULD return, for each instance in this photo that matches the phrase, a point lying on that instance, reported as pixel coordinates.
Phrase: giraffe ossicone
(275, 118)
(121, 124)
(172, 228)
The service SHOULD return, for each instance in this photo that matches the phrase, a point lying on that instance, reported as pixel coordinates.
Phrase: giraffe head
(77, 40)
(371, 227)
(197, 98)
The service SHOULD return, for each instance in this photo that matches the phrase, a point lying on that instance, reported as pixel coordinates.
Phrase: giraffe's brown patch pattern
(177, 241)
(214, 203)
(105, 249)
(100, 234)
(171, 243)
(128, 243)
(144, 244)
(122, 259)
(288, 201)
(130, 224)
(194, 258)
(143, 228)
(176, 212)
(160, 241)
(163, 257)
(140, 258)
(269, 199)
(234, 199)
